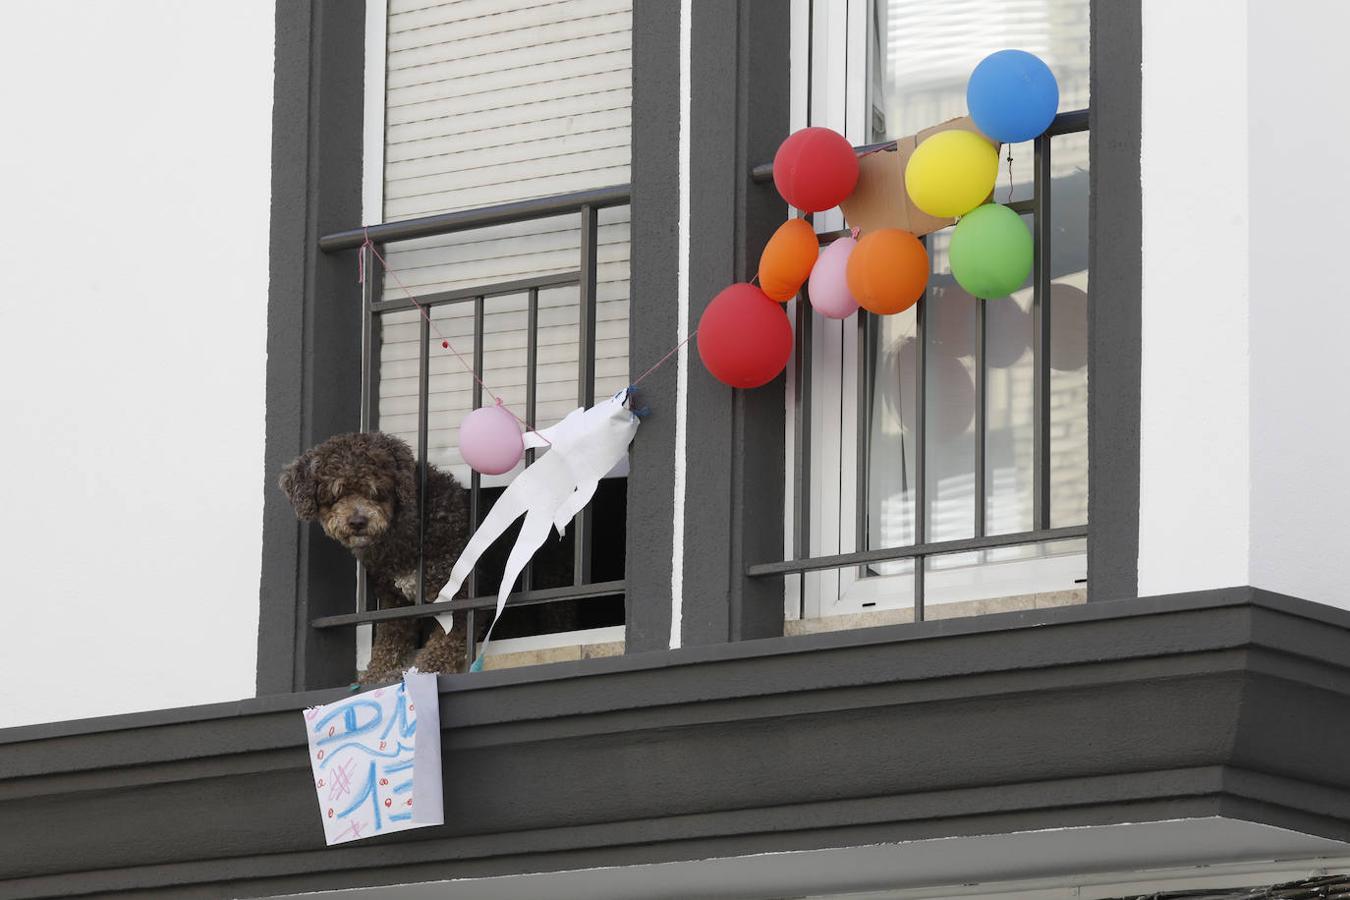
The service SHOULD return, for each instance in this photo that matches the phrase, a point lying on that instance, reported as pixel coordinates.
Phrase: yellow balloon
(951, 173)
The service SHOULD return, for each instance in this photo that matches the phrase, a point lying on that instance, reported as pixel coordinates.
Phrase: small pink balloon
(490, 441)
(828, 285)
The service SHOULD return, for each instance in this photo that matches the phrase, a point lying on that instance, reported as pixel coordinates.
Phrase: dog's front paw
(377, 676)
(443, 654)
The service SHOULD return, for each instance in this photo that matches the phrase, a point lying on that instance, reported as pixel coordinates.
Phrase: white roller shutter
(489, 101)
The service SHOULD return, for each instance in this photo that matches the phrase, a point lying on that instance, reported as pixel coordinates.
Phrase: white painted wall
(1300, 318)
(1245, 311)
(1194, 463)
(133, 294)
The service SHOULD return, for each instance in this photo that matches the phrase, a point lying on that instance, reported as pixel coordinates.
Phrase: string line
(445, 342)
(663, 360)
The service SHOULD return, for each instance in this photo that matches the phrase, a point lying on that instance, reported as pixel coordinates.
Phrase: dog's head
(354, 486)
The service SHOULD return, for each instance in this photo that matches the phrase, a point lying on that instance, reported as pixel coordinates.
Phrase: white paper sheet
(376, 760)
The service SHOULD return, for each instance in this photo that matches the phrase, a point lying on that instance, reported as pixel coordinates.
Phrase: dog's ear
(405, 472)
(299, 483)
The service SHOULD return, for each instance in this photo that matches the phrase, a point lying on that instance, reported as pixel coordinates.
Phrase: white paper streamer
(580, 450)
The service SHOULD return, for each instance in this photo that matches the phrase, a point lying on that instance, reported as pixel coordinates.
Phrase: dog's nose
(357, 522)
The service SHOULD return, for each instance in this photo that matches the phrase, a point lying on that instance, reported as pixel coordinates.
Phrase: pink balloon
(490, 441)
(828, 286)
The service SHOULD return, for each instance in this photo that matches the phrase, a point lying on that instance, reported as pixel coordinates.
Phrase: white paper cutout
(581, 449)
(376, 760)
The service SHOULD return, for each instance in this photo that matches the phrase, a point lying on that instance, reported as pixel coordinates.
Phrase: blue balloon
(1012, 96)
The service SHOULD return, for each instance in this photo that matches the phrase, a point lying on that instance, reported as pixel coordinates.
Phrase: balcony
(1213, 723)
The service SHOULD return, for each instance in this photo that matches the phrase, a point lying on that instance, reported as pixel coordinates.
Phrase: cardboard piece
(880, 199)
(376, 760)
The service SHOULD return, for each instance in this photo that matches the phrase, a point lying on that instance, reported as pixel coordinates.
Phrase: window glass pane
(921, 57)
(893, 457)
(1068, 330)
(1010, 403)
(923, 53)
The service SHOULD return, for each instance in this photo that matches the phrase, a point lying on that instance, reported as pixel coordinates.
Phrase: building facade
(1031, 596)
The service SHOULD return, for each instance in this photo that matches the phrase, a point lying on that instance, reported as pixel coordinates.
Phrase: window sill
(515, 653)
(935, 611)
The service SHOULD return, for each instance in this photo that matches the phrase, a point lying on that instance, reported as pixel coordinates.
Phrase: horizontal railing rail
(462, 295)
(1065, 123)
(467, 604)
(479, 217)
(910, 551)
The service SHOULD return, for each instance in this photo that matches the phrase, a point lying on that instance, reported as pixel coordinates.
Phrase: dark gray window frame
(1115, 258)
(313, 331)
(734, 508)
(740, 80)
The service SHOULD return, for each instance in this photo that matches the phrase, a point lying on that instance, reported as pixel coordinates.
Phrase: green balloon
(991, 251)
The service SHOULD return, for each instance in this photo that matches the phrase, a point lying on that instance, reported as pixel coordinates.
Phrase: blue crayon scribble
(350, 724)
(400, 719)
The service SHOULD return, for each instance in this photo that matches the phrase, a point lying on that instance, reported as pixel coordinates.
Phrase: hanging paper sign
(881, 201)
(376, 760)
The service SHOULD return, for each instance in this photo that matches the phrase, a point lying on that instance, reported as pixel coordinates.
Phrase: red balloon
(744, 338)
(815, 169)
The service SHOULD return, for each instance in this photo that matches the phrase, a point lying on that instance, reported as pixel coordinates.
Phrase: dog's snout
(357, 521)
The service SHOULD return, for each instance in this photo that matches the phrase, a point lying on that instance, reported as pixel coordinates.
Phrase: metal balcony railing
(922, 549)
(584, 204)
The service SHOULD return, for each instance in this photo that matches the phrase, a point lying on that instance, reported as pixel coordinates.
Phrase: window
(486, 104)
(1003, 417)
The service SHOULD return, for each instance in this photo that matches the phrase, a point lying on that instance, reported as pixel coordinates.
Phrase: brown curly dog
(362, 488)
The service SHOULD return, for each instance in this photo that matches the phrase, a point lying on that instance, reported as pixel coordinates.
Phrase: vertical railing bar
(423, 402)
(586, 317)
(981, 411)
(801, 459)
(367, 334)
(581, 537)
(367, 266)
(1040, 303)
(531, 364)
(921, 446)
(470, 639)
(476, 480)
(531, 396)
(801, 512)
(861, 493)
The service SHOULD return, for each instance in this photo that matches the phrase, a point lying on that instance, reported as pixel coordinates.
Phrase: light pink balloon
(490, 441)
(828, 286)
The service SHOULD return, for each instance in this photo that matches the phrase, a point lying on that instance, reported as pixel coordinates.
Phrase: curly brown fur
(362, 489)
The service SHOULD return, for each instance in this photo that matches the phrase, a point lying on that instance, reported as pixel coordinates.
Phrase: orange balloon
(787, 260)
(887, 271)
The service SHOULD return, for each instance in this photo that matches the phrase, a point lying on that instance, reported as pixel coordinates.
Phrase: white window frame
(835, 49)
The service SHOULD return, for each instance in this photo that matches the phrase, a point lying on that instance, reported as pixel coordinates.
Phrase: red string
(662, 361)
(445, 342)
(361, 277)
